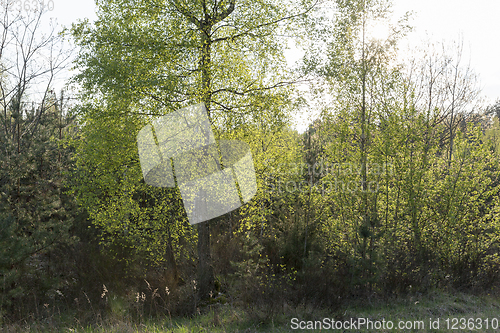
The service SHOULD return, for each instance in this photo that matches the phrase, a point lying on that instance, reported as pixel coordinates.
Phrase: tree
(148, 58)
(361, 75)
(446, 89)
(491, 132)
(400, 134)
(35, 213)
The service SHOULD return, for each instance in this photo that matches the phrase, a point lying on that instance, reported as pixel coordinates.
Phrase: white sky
(476, 21)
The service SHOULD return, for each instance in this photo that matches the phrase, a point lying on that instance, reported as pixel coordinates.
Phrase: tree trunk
(206, 281)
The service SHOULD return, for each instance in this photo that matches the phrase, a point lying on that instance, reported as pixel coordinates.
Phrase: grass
(228, 318)
(436, 305)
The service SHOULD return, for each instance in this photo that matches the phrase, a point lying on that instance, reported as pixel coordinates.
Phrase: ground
(456, 311)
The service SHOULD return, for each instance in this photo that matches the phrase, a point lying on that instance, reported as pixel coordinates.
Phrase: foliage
(411, 203)
(393, 190)
(36, 214)
(145, 59)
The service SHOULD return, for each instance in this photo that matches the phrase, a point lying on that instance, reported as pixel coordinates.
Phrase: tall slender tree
(147, 58)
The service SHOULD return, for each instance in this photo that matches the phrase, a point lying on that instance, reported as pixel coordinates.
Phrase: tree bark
(206, 282)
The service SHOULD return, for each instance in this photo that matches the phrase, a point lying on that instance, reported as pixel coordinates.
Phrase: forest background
(391, 191)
